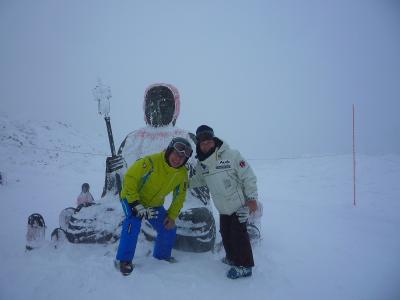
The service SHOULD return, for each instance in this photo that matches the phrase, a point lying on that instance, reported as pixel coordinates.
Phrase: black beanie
(204, 132)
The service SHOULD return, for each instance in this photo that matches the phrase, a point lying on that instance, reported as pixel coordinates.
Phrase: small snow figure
(35, 236)
(85, 196)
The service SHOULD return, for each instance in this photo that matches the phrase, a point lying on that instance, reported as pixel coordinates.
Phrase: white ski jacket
(229, 178)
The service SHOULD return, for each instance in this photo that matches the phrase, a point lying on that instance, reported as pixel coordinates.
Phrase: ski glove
(243, 214)
(141, 212)
(114, 163)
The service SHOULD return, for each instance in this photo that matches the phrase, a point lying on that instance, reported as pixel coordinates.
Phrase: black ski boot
(171, 260)
(238, 271)
(126, 267)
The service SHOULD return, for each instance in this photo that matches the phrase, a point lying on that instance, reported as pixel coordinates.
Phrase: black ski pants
(236, 241)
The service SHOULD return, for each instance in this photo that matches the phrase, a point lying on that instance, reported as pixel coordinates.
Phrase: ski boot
(125, 267)
(171, 260)
(239, 271)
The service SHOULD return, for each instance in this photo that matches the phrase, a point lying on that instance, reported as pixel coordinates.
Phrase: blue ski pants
(130, 231)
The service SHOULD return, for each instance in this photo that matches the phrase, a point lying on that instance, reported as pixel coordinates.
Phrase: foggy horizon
(273, 78)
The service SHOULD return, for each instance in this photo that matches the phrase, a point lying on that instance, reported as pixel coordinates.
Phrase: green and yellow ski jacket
(150, 179)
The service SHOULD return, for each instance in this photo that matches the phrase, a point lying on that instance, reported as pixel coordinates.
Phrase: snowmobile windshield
(159, 106)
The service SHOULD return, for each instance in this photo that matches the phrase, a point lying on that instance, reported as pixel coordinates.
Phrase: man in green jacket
(146, 184)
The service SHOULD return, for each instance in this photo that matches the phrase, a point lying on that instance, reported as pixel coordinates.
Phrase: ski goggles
(182, 149)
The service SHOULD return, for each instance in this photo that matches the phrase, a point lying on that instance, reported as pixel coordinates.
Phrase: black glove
(114, 163)
(141, 212)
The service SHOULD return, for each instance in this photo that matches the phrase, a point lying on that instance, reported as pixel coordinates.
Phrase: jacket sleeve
(247, 177)
(196, 180)
(132, 179)
(179, 195)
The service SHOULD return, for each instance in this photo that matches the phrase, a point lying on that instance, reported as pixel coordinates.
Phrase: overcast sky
(273, 78)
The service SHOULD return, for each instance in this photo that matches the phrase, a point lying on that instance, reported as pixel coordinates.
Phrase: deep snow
(316, 244)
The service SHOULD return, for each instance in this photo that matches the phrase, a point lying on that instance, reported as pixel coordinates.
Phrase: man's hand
(141, 212)
(114, 163)
(169, 223)
(252, 205)
(151, 213)
(138, 210)
(112, 183)
(243, 214)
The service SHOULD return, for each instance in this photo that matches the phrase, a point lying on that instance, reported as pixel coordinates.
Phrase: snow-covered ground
(316, 244)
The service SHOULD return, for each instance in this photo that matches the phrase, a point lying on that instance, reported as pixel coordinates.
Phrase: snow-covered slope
(316, 244)
(44, 142)
(45, 164)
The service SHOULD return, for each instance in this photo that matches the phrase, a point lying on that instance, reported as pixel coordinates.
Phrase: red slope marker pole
(354, 161)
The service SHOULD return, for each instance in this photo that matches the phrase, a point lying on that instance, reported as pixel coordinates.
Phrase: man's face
(176, 159)
(207, 145)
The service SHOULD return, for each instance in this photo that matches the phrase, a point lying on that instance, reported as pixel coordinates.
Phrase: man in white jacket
(233, 188)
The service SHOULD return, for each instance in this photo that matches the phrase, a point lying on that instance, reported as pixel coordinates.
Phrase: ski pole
(113, 153)
(110, 136)
(102, 94)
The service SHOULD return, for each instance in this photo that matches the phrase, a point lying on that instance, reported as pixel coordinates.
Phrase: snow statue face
(159, 106)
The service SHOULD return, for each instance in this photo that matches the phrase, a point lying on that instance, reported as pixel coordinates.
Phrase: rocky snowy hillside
(44, 142)
(48, 161)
